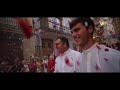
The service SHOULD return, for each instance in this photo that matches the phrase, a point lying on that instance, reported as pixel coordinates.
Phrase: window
(65, 24)
(43, 43)
(54, 23)
(49, 45)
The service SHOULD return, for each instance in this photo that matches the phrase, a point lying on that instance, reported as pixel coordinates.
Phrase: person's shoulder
(110, 51)
(75, 52)
(115, 52)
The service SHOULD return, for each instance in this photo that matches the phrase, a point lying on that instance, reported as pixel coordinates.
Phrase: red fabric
(68, 62)
(32, 66)
(27, 29)
(51, 65)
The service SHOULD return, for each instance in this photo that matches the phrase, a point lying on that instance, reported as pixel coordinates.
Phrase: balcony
(9, 24)
(52, 26)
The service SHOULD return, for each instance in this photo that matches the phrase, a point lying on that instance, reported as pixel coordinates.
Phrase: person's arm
(114, 55)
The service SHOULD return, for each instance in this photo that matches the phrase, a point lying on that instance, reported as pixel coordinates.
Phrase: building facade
(47, 30)
(13, 43)
(11, 37)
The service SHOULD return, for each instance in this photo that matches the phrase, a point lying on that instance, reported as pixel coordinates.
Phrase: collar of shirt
(92, 48)
(61, 55)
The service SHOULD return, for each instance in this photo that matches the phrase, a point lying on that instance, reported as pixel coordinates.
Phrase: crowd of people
(92, 56)
(32, 65)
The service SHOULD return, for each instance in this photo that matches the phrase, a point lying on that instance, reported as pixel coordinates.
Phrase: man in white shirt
(94, 57)
(68, 59)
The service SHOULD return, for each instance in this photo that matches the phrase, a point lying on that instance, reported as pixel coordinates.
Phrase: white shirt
(100, 58)
(69, 61)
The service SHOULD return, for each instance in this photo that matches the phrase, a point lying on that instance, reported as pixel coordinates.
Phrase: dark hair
(82, 20)
(64, 40)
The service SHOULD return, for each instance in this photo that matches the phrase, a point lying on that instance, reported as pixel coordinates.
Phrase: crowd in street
(32, 65)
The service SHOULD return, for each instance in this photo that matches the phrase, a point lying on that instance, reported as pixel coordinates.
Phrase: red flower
(27, 29)
(106, 49)
(98, 47)
(106, 59)
(97, 68)
(68, 62)
(77, 63)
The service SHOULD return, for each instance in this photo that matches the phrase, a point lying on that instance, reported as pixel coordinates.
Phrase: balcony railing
(54, 27)
(9, 23)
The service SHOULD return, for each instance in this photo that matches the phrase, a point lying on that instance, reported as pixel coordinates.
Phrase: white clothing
(100, 58)
(69, 61)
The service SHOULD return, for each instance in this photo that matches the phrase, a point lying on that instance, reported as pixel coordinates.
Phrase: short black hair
(64, 40)
(82, 20)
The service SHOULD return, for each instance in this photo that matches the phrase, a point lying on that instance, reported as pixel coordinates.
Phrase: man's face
(59, 45)
(80, 34)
